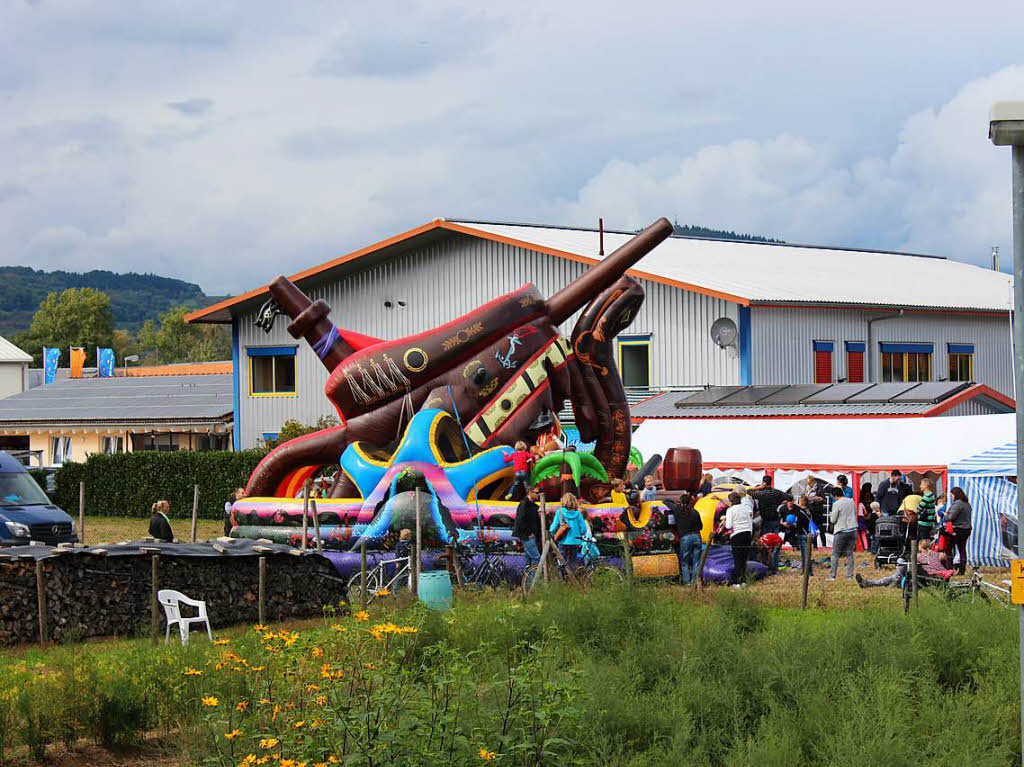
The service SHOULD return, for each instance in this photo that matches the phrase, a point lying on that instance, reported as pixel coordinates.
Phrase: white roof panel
(11, 353)
(760, 272)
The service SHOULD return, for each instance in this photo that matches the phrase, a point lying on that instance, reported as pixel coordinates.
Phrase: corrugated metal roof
(11, 353)
(760, 272)
(123, 400)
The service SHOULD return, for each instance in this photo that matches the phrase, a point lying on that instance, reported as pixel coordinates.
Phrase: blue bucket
(436, 590)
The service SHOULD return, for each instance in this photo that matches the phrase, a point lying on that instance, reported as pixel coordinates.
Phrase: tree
(177, 341)
(74, 317)
(291, 429)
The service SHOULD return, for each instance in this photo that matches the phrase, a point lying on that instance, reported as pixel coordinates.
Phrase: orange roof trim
(438, 223)
(187, 369)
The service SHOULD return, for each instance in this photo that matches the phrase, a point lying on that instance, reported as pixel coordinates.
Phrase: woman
(706, 486)
(569, 529)
(740, 525)
(959, 515)
(865, 524)
(159, 524)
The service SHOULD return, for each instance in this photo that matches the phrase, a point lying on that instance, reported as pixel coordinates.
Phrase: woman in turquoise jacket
(569, 529)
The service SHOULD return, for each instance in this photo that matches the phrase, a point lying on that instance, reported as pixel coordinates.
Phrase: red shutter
(855, 367)
(822, 367)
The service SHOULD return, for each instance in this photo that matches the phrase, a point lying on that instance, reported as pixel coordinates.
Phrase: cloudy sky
(226, 142)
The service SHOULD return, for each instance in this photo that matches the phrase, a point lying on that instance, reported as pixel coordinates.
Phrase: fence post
(415, 569)
(700, 564)
(305, 513)
(195, 512)
(807, 573)
(81, 512)
(913, 568)
(154, 605)
(362, 574)
(627, 559)
(542, 566)
(316, 526)
(41, 595)
(262, 590)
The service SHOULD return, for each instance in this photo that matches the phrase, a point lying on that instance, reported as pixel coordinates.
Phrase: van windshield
(19, 489)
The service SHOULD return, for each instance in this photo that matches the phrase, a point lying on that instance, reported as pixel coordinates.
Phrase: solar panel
(837, 393)
(932, 391)
(883, 392)
(709, 396)
(750, 395)
(793, 395)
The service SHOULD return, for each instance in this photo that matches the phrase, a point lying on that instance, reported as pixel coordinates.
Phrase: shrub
(127, 484)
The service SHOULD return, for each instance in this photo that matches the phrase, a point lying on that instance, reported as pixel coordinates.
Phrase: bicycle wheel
(996, 594)
(605, 576)
(374, 583)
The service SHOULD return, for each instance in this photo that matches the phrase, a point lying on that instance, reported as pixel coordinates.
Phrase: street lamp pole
(1006, 128)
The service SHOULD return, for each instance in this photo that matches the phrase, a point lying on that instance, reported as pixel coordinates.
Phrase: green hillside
(717, 234)
(134, 298)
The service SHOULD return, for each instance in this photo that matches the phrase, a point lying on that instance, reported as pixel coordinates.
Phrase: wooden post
(542, 566)
(195, 513)
(362, 574)
(807, 572)
(41, 595)
(700, 564)
(627, 559)
(414, 570)
(263, 590)
(81, 512)
(316, 526)
(305, 513)
(154, 604)
(913, 567)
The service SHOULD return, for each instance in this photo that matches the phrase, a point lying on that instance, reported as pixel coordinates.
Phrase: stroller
(892, 536)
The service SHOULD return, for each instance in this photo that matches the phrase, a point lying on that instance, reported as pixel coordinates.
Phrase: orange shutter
(855, 367)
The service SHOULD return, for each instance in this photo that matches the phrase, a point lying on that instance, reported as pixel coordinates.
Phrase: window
(855, 362)
(961, 362)
(111, 445)
(906, 362)
(272, 371)
(635, 361)
(60, 450)
(823, 362)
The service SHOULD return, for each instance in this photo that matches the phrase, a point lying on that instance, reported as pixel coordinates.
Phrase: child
(926, 511)
(618, 493)
(650, 492)
(521, 460)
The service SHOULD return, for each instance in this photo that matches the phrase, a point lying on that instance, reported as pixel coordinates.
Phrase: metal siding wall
(447, 279)
(970, 407)
(782, 342)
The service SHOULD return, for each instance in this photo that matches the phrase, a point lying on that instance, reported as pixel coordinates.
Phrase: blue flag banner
(51, 357)
(105, 362)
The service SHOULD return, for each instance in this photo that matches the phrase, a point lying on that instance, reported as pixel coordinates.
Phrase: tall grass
(614, 678)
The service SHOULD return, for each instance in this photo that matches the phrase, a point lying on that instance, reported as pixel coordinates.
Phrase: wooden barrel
(682, 469)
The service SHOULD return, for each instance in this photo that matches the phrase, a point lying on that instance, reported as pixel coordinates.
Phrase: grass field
(656, 675)
(114, 529)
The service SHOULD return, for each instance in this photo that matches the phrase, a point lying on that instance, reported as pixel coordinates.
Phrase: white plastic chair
(172, 601)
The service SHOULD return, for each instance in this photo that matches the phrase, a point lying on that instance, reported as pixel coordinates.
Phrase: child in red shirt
(521, 461)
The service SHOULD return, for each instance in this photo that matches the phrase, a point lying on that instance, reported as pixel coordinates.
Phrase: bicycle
(490, 572)
(386, 577)
(977, 588)
(591, 571)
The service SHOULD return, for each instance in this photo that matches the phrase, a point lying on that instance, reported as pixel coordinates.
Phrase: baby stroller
(891, 534)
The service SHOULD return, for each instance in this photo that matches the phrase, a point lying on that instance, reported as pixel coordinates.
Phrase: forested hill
(717, 234)
(134, 298)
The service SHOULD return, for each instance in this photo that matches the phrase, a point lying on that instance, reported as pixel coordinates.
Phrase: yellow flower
(269, 742)
(338, 627)
(193, 672)
(209, 700)
(333, 759)
(319, 764)
(362, 615)
(382, 593)
(316, 723)
(277, 710)
(487, 756)
(241, 706)
(299, 724)
(317, 652)
(220, 665)
(221, 642)
(257, 668)
(321, 700)
(250, 759)
(312, 687)
(259, 627)
(265, 701)
(233, 734)
(264, 759)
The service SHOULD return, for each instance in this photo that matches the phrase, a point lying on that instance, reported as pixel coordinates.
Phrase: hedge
(127, 484)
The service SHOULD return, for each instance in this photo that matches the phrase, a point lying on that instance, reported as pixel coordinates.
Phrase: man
(526, 527)
(813, 502)
(768, 501)
(891, 492)
(795, 522)
(688, 525)
(844, 536)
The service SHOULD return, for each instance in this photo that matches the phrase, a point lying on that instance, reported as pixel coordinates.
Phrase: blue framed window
(961, 361)
(271, 371)
(906, 361)
(635, 361)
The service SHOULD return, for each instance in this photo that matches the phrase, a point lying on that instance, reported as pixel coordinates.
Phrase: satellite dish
(723, 332)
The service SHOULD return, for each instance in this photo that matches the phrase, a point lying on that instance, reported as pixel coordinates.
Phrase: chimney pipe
(600, 236)
(995, 258)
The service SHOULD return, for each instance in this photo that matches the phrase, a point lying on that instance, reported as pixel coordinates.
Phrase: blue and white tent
(985, 479)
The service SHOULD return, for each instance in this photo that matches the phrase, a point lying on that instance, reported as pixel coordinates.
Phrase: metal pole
(262, 591)
(362, 575)
(316, 526)
(305, 513)
(81, 512)
(1018, 362)
(414, 571)
(195, 513)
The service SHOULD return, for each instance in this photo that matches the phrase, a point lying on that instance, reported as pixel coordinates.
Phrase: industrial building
(717, 313)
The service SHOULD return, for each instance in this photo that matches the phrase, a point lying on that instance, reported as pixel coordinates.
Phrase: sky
(225, 143)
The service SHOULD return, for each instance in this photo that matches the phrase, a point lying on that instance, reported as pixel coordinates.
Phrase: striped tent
(985, 479)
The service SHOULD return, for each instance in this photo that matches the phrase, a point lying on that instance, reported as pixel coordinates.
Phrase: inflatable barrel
(682, 469)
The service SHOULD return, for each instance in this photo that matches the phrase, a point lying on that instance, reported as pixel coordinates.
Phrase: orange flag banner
(77, 361)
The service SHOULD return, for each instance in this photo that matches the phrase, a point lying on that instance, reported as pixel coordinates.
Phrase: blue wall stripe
(746, 363)
(961, 348)
(897, 348)
(271, 351)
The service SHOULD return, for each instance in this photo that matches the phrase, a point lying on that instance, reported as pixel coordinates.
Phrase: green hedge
(127, 484)
(39, 475)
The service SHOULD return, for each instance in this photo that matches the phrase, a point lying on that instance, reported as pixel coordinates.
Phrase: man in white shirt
(739, 522)
(844, 536)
